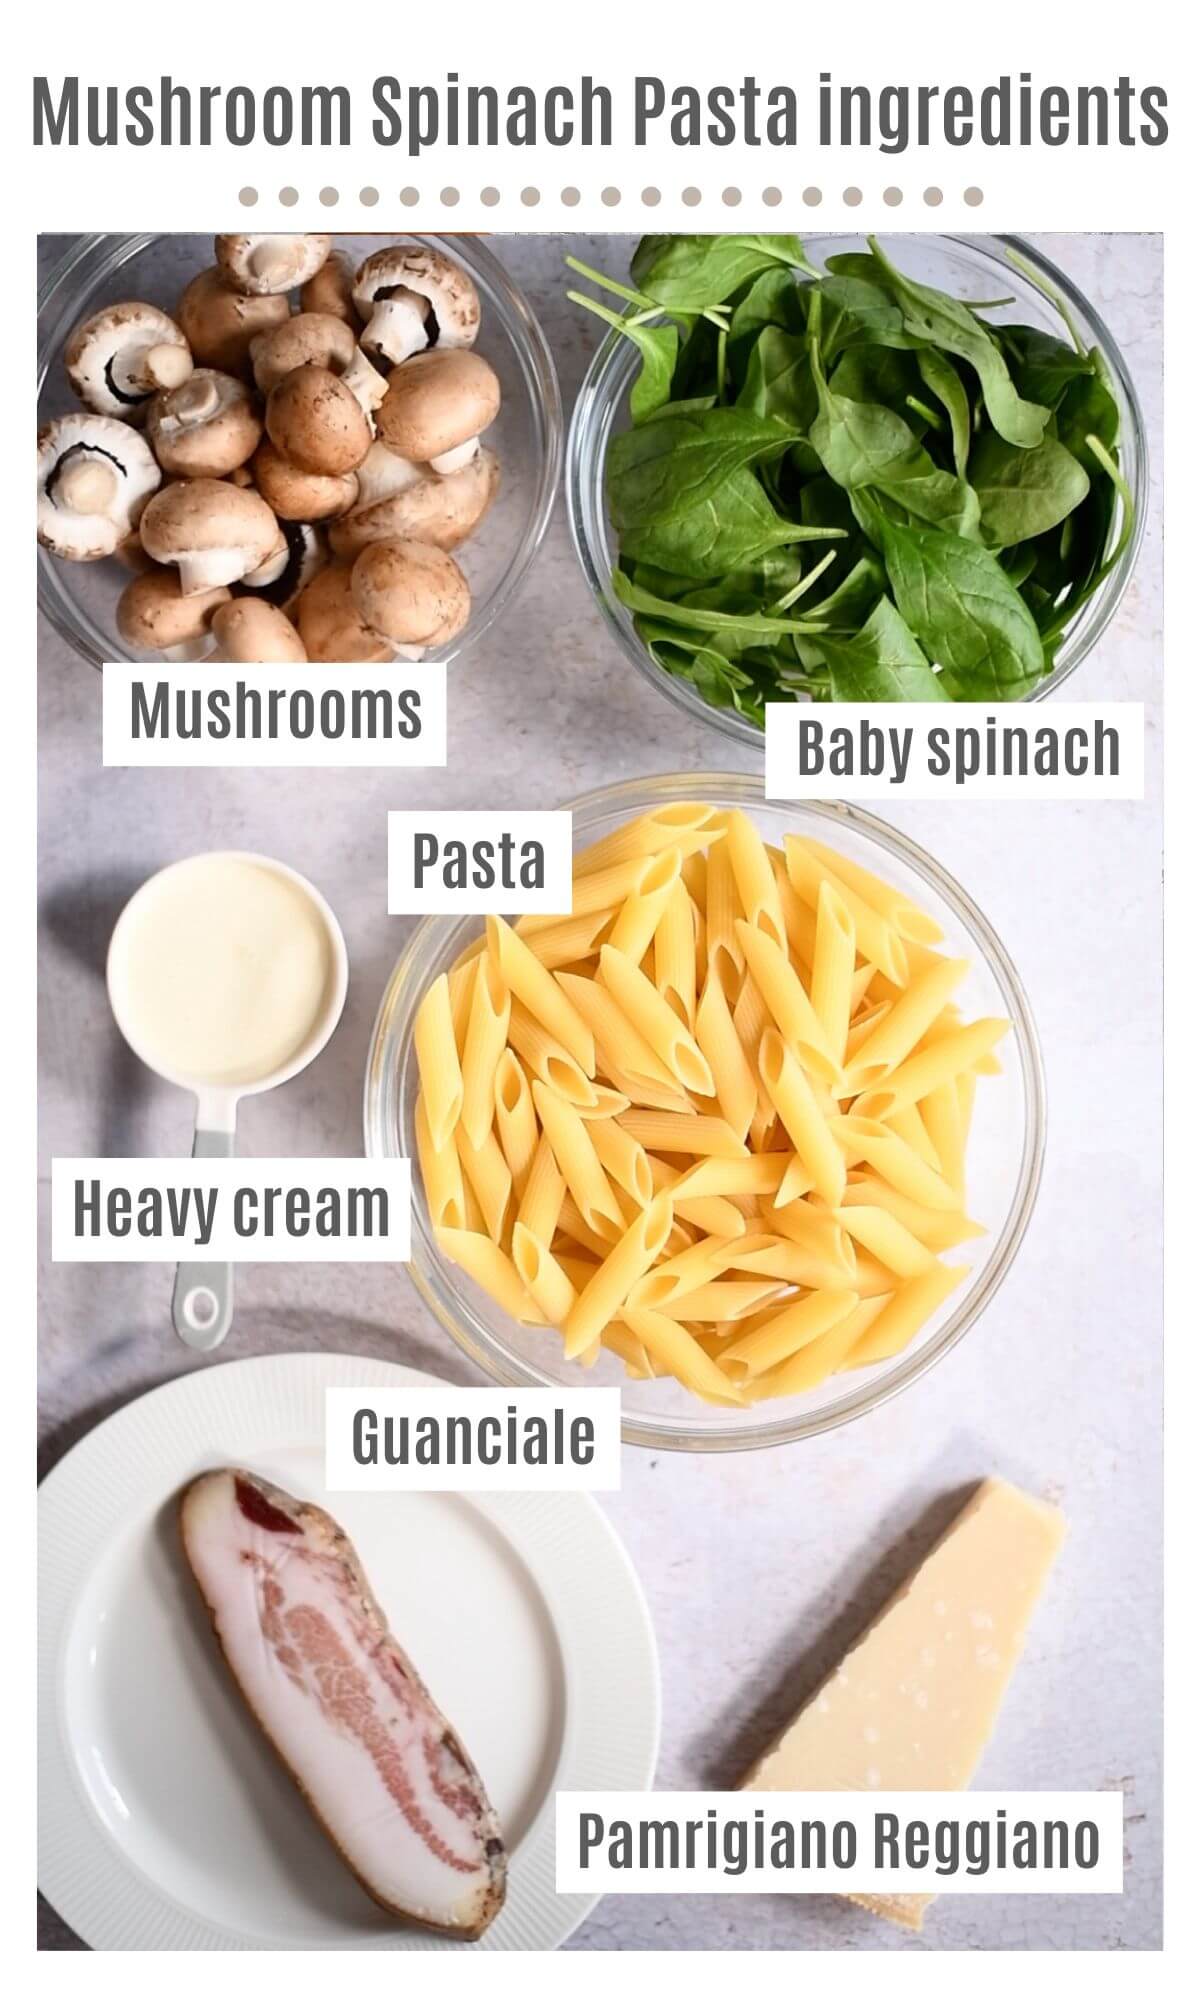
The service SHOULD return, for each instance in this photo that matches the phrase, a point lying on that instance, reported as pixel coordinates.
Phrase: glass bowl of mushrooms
(288, 447)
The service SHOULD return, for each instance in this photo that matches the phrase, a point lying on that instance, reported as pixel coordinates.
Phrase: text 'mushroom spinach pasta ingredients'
(842, 484)
(714, 1119)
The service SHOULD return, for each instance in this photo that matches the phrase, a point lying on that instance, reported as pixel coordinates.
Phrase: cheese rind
(914, 1702)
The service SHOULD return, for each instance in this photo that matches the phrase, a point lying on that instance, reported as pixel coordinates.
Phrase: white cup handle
(202, 1302)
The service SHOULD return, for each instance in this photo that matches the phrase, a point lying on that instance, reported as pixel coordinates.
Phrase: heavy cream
(220, 969)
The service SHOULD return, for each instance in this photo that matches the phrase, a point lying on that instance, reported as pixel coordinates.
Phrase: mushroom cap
(413, 594)
(296, 495)
(152, 611)
(317, 422)
(329, 623)
(331, 290)
(205, 428)
(118, 358)
(250, 629)
(437, 400)
(314, 337)
(195, 516)
(262, 266)
(441, 509)
(219, 324)
(418, 267)
(94, 477)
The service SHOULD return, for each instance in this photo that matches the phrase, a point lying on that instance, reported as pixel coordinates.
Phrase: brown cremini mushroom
(251, 630)
(296, 495)
(262, 266)
(329, 622)
(412, 594)
(442, 509)
(119, 358)
(316, 422)
(331, 290)
(212, 531)
(205, 428)
(95, 475)
(412, 297)
(318, 338)
(220, 324)
(154, 615)
(437, 404)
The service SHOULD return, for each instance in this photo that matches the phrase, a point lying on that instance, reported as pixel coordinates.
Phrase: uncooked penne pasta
(438, 1064)
(710, 1124)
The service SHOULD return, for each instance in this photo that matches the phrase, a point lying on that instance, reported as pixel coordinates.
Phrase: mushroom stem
(88, 486)
(365, 383)
(198, 648)
(164, 366)
(197, 400)
(453, 461)
(207, 569)
(408, 652)
(397, 326)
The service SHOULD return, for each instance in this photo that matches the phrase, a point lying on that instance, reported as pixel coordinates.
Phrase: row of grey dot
(650, 197)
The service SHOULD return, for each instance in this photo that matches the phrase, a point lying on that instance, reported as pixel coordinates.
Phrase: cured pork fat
(342, 1704)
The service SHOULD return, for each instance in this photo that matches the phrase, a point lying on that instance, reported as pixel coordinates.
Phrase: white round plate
(166, 1823)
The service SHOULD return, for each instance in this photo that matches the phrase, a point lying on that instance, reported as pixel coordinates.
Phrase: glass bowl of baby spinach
(908, 468)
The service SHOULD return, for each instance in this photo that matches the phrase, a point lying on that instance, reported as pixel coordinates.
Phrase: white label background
(601, 1407)
(288, 751)
(551, 829)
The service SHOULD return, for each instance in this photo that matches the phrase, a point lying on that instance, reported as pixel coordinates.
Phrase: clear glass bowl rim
(607, 377)
(433, 1276)
(94, 257)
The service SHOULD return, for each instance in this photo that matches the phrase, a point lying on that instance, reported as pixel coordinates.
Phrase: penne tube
(597, 895)
(516, 1124)
(759, 1173)
(640, 914)
(793, 1264)
(577, 1161)
(886, 1238)
(938, 1115)
(485, 1263)
(796, 1183)
(677, 1132)
(711, 1214)
(817, 1231)
(785, 1332)
(894, 1161)
(903, 1315)
(486, 1040)
(792, 1095)
(462, 988)
(486, 1172)
(911, 1013)
(857, 1034)
(833, 970)
(719, 1300)
(684, 825)
(876, 940)
(940, 1062)
(542, 1197)
(725, 962)
(441, 1176)
(546, 1058)
(620, 1049)
(908, 1123)
(819, 1359)
(605, 1103)
(566, 943)
(914, 924)
(623, 1159)
(860, 987)
(937, 1228)
(649, 1013)
(537, 990)
(574, 1229)
(437, 1062)
(799, 921)
(677, 1352)
(542, 1276)
(755, 880)
(735, 1079)
(787, 1003)
(608, 1290)
(622, 1340)
(675, 955)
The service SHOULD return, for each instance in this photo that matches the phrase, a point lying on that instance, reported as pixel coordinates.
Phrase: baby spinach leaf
(730, 528)
(662, 469)
(690, 273)
(1023, 493)
(964, 613)
(857, 312)
(1088, 409)
(943, 380)
(944, 322)
(779, 381)
(659, 349)
(748, 626)
(882, 662)
(1041, 365)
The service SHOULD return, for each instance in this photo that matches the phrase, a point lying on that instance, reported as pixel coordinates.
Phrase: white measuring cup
(202, 1302)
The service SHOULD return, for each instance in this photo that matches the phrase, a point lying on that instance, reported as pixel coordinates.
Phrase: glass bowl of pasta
(754, 1132)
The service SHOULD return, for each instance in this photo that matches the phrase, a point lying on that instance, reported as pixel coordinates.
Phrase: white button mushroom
(120, 357)
(212, 531)
(412, 297)
(154, 615)
(268, 265)
(437, 404)
(329, 622)
(411, 594)
(316, 422)
(297, 495)
(219, 324)
(439, 508)
(249, 630)
(281, 581)
(94, 477)
(206, 428)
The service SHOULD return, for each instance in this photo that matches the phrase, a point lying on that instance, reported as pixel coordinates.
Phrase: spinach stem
(611, 285)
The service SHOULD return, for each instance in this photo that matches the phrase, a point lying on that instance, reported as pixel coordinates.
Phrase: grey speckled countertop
(758, 1567)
